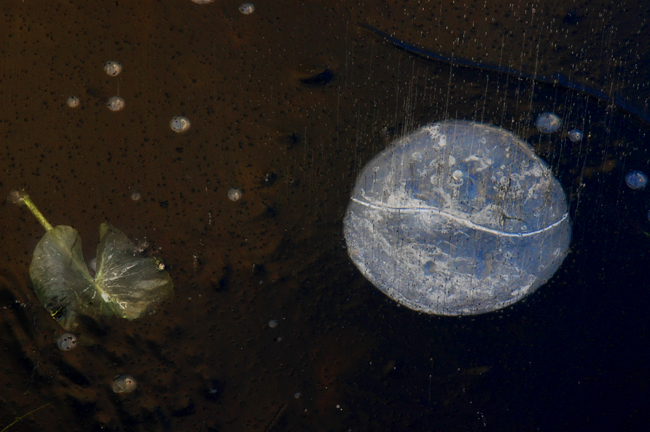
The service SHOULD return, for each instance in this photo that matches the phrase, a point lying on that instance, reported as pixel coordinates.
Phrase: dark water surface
(288, 104)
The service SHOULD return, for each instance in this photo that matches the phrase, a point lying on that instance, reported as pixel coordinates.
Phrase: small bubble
(636, 180)
(548, 122)
(575, 135)
(113, 68)
(135, 196)
(179, 124)
(115, 103)
(66, 341)
(247, 8)
(73, 101)
(297, 395)
(235, 194)
(273, 323)
(124, 384)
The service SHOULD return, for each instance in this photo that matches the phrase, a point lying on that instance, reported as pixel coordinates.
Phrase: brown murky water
(288, 104)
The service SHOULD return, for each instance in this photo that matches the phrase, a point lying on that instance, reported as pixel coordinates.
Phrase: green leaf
(126, 284)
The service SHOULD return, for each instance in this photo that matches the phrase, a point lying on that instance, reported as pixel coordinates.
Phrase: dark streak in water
(319, 79)
(556, 79)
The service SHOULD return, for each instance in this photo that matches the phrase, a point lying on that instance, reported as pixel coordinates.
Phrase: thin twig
(23, 416)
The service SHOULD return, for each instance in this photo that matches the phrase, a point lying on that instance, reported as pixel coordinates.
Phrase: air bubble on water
(113, 68)
(135, 196)
(636, 180)
(73, 101)
(547, 122)
(124, 384)
(297, 395)
(235, 194)
(455, 274)
(115, 103)
(247, 8)
(66, 341)
(575, 135)
(273, 323)
(179, 124)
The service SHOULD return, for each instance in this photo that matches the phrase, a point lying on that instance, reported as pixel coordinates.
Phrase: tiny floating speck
(247, 8)
(115, 103)
(66, 341)
(234, 194)
(636, 180)
(179, 124)
(113, 68)
(124, 384)
(575, 135)
(547, 122)
(73, 101)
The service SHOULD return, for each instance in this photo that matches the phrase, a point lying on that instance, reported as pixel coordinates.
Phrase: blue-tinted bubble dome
(449, 219)
(547, 122)
(66, 341)
(124, 384)
(575, 135)
(636, 180)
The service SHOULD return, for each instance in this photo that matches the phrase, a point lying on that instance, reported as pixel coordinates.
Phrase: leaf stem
(24, 198)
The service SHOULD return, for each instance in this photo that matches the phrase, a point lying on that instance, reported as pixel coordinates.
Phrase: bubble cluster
(547, 122)
(66, 341)
(180, 124)
(235, 194)
(115, 103)
(124, 384)
(247, 8)
(73, 101)
(113, 68)
(636, 180)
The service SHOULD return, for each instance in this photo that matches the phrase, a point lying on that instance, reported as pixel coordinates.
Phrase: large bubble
(457, 218)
